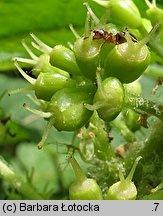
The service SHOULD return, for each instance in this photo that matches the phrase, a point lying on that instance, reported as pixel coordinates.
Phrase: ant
(109, 37)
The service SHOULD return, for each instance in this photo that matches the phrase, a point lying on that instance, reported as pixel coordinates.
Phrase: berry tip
(25, 105)
(39, 146)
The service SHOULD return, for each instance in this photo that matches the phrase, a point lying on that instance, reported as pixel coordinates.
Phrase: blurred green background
(47, 19)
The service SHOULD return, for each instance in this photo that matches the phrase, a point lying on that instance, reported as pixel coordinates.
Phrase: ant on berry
(109, 37)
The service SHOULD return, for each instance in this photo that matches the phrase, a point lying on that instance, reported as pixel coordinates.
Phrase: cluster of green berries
(96, 73)
(71, 83)
(87, 188)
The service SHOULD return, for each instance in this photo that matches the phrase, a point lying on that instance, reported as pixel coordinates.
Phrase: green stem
(148, 37)
(80, 176)
(24, 188)
(121, 176)
(87, 28)
(140, 104)
(103, 149)
(77, 36)
(93, 16)
(130, 175)
(149, 4)
(125, 131)
(20, 90)
(153, 143)
(46, 133)
(157, 188)
(154, 42)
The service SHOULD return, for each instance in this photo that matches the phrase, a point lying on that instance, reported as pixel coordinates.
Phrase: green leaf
(49, 18)
(154, 196)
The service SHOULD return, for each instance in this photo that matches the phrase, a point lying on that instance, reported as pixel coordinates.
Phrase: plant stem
(125, 131)
(154, 142)
(103, 149)
(15, 182)
(154, 43)
(152, 145)
(140, 104)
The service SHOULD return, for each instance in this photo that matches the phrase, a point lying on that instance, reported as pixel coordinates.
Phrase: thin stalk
(146, 39)
(71, 46)
(94, 17)
(104, 18)
(46, 133)
(157, 188)
(38, 112)
(19, 90)
(125, 131)
(43, 46)
(25, 60)
(95, 106)
(103, 149)
(26, 76)
(130, 175)
(77, 36)
(121, 176)
(80, 176)
(32, 55)
(151, 5)
(37, 46)
(154, 3)
(87, 28)
(34, 100)
(153, 42)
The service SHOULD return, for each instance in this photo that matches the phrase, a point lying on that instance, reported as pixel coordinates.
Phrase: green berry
(123, 12)
(125, 189)
(47, 84)
(108, 99)
(68, 110)
(83, 188)
(128, 61)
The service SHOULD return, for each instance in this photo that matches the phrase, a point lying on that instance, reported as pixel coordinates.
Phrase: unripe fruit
(133, 88)
(123, 12)
(87, 56)
(83, 188)
(43, 65)
(67, 107)
(154, 13)
(108, 99)
(64, 58)
(125, 189)
(66, 111)
(127, 61)
(47, 84)
(132, 119)
(60, 56)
